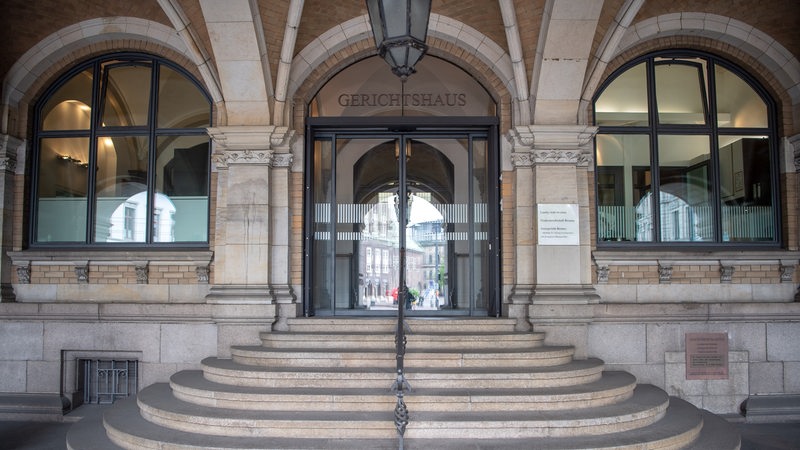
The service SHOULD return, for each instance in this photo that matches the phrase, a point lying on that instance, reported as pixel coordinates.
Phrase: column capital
(264, 145)
(552, 137)
(552, 144)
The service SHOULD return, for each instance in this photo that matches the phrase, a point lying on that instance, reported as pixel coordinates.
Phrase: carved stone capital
(792, 145)
(282, 160)
(254, 157)
(577, 158)
(522, 159)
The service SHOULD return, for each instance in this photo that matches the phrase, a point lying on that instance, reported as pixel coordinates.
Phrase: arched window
(121, 156)
(686, 155)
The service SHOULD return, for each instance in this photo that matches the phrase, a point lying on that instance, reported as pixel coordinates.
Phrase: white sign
(558, 224)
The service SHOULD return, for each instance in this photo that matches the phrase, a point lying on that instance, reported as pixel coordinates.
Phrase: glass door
(387, 210)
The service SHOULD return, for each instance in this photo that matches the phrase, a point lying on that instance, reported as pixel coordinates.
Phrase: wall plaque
(558, 224)
(706, 356)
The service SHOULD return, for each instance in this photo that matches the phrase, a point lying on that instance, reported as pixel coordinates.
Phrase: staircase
(475, 384)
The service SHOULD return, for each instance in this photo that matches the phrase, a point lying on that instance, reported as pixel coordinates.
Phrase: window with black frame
(685, 154)
(122, 156)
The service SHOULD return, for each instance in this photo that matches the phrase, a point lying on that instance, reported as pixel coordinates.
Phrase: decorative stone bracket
(80, 261)
(666, 261)
(267, 145)
(552, 144)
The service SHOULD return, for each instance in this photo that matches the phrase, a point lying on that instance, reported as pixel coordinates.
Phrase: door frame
(443, 127)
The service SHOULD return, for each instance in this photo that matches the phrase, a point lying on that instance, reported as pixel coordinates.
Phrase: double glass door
(386, 210)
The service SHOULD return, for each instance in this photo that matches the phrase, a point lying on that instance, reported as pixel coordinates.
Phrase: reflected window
(677, 176)
(133, 170)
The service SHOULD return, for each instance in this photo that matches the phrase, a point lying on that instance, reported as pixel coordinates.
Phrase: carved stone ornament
(202, 274)
(576, 157)
(24, 274)
(522, 159)
(792, 145)
(142, 273)
(282, 160)
(82, 274)
(664, 273)
(228, 158)
(726, 274)
(602, 274)
(787, 273)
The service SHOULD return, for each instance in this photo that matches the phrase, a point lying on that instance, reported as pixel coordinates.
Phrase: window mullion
(652, 118)
(98, 84)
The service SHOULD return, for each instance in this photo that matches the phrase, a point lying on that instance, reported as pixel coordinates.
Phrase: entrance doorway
(413, 205)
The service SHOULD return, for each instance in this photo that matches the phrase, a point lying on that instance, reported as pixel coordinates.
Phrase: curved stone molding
(38, 60)
(780, 61)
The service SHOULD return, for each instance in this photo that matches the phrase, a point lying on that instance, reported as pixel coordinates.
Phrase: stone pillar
(252, 220)
(9, 147)
(525, 265)
(282, 293)
(559, 157)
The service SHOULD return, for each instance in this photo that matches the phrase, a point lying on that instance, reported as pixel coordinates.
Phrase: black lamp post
(400, 28)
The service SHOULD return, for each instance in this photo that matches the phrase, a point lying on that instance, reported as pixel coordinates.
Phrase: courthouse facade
(180, 175)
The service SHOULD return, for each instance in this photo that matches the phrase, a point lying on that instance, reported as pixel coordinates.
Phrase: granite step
(682, 427)
(190, 386)
(646, 406)
(575, 372)
(468, 325)
(416, 340)
(414, 358)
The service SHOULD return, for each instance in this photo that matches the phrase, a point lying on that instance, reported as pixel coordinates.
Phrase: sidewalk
(24, 435)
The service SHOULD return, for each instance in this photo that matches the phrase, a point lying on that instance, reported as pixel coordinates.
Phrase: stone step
(682, 427)
(575, 372)
(190, 386)
(419, 341)
(388, 325)
(414, 358)
(646, 406)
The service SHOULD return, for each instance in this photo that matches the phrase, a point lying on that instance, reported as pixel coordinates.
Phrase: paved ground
(23, 435)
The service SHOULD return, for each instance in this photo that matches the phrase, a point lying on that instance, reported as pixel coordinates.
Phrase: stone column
(9, 146)
(282, 293)
(559, 157)
(525, 264)
(252, 220)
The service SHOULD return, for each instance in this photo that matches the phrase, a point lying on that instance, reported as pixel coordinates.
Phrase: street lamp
(400, 28)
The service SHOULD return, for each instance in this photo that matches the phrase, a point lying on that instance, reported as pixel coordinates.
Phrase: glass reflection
(680, 93)
(126, 95)
(70, 107)
(182, 177)
(62, 190)
(623, 186)
(624, 101)
(121, 180)
(738, 104)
